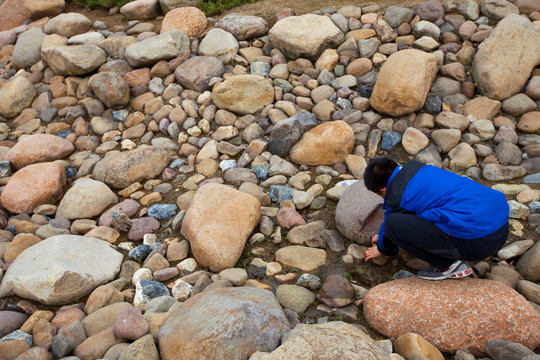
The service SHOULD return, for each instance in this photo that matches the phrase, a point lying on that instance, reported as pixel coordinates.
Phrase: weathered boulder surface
(404, 82)
(195, 73)
(325, 144)
(243, 27)
(336, 340)
(61, 269)
(161, 47)
(34, 185)
(74, 59)
(121, 169)
(473, 312)
(223, 323)
(111, 88)
(359, 213)
(494, 66)
(218, 223)
(305, 36)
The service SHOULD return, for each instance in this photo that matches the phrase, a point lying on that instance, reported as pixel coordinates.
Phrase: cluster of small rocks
(168, 187)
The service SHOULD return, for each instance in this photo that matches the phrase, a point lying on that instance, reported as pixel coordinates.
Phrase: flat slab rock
(61, 269)
(336, 340)
(452, 314)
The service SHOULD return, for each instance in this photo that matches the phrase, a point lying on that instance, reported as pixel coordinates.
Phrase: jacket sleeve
(384, 244)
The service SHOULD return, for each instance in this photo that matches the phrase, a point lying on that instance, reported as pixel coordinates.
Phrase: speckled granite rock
(453, 314)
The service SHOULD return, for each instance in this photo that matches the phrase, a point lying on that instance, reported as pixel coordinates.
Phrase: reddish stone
(12, 14)
(128, 207)
(453, 314)
(34, 185)
(142, 226)
(467, 89)
(289, 218)
(67, 316)
(38, 148)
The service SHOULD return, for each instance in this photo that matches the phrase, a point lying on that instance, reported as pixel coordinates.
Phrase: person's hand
(371, 253)
(374, 239)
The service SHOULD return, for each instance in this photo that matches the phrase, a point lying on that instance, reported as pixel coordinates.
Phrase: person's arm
(384, 245)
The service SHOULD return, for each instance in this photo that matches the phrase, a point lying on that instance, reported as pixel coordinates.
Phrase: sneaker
(457, 270)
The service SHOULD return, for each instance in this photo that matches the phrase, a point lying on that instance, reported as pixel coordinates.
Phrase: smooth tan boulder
(42, 8)
(305, 36)
(301, 257)
(189, 19)
(15, 96)
(38, 148)
(18, 245)
(243, 94)
(218, 223)
(34, 185)
(495, 68)
(404, 82)
(473, 312)
(530, 122)
(85, 199)
(414, 346)
(325, 144)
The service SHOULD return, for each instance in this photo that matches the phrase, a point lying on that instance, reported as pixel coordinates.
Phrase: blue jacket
(458, 205)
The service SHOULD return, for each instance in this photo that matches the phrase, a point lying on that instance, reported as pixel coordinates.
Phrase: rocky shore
(193, 190)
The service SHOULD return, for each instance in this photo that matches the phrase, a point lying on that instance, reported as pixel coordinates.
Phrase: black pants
(426, 241)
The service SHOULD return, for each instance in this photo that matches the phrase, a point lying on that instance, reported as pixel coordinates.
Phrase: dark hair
(378, 173)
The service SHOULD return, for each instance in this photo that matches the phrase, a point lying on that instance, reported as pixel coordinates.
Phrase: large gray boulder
(223, 323)
(359, 213)
(287, 132)
(195, 73)
(161, 47)
(336, 340)
(61, 269)
(305, 36)
(27, 50)
(495, 67)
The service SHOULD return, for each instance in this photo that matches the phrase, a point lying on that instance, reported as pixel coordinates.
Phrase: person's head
(378, 173)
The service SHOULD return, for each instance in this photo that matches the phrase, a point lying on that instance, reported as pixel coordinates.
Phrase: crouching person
(436, 215)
